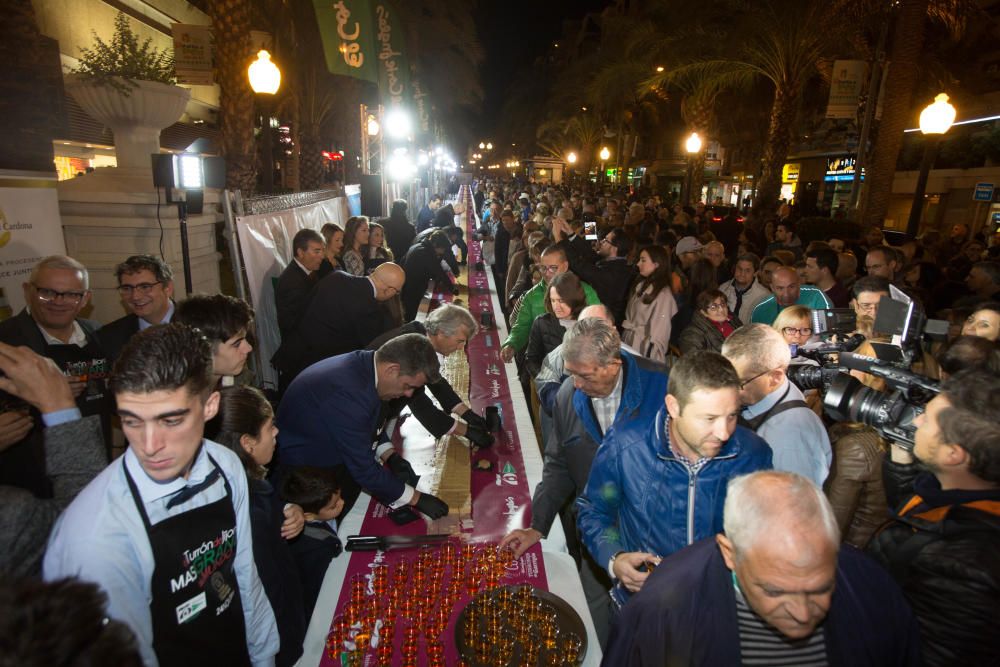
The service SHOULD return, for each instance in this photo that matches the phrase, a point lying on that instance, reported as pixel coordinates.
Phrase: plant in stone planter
(124, 61)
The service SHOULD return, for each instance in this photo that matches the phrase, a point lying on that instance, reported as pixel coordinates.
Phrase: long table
(503, 505)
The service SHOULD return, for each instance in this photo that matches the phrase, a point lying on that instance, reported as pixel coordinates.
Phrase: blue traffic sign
(983, 192)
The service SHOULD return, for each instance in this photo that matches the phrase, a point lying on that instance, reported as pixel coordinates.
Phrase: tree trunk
(697, 177)
(311, 161)
(231, 29)
(779, 136)
(897, 110)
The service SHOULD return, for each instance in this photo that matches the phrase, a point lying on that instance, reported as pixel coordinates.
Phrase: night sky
(515, 32)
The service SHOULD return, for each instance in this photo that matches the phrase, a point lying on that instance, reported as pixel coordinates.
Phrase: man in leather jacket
(942, 543)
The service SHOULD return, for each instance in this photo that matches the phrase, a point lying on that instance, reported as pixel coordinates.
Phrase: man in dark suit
(56, 292)
(291, 295)
(423, 264)
(331, 415)
(426, 215)
(344, 315)
(146, 285)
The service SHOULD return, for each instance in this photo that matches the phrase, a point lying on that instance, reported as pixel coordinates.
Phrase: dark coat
(546, 335)
(685, 615)
(701, 334)
(115, 335)
(422, 265)
(291, 296)
(313, 550)
(611, 279)
(329, 417)
(343, 315)
(399, 235)
(942, 548)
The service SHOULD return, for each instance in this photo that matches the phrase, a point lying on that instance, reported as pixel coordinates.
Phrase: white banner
(192, 53)
(266, 246)
(30, 229)
(846, 83)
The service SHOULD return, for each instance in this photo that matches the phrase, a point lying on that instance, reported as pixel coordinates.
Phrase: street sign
(983, 192)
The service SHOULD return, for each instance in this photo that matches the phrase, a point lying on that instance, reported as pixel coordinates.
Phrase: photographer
(942, 544)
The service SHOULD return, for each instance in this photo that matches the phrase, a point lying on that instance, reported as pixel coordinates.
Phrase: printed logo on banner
(509, 474)
(489, 340)
(512, 507)
(493, 369)
(188, 610)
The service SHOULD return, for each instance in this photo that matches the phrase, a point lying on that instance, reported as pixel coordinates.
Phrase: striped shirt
(760, 644)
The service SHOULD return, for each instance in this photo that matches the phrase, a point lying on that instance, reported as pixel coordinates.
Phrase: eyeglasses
(549, 268)
(867, 307)
(141, 288)
(46, 294)
(718, 307)
(798, 331)
(744, 383)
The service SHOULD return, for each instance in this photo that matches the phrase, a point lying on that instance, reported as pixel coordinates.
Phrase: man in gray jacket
(74, 454)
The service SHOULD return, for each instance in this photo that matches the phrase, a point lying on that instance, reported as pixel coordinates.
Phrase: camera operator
(773, 407)
(942, 544)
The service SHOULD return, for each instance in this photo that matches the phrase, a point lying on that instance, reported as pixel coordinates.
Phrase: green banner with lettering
(393, 65)
(348, 32)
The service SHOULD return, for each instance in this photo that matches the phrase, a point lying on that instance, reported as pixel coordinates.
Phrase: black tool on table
(388, 542)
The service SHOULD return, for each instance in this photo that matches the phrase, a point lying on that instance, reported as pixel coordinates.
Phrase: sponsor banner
(30, 229)
(348, 33)
(192, 53)
(393, 66)
(266, 247)
(501, 498)
(846, 85)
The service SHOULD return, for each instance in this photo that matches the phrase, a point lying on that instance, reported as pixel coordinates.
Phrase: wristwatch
(611, 564)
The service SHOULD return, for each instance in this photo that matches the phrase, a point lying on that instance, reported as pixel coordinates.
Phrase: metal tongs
(389, 542)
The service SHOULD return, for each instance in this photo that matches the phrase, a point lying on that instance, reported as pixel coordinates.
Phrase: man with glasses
(49, 325)
(788, 291)
(553, 263)
(773, 407)
(868, 291)
(146, 286)
(607, 270)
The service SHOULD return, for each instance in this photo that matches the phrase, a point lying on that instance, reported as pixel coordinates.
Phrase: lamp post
(605, 155)
(570, 160)
(265, 79)
(935, 120)
(692, 146)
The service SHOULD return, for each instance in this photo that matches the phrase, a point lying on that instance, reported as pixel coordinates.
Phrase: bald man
(345, 313)
(787, 290)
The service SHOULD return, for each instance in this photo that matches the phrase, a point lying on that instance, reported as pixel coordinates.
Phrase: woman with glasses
(795, 324)
(651, 306)
(564, 300)
(711, 324)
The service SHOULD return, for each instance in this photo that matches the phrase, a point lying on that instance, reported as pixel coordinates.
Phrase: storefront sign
(841, 169)
(192, 53)
(790, 172)
(845, 88)
(30, 229)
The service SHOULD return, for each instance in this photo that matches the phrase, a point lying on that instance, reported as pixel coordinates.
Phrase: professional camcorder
(828, 323)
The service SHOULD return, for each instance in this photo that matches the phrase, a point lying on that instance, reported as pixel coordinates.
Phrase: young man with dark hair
(165, 530)
(225, 321)
(821, 270)
(146, 286)
(649, 497)
(942, 543)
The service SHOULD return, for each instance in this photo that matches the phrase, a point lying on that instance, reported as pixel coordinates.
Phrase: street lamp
(571, 157)
(935, 120)
(265, 79)
(489, 146)
(692, 146)
(605, 155)
(482, 146)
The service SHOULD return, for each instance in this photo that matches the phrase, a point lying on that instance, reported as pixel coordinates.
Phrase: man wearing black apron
(165, 530)
(55, 293)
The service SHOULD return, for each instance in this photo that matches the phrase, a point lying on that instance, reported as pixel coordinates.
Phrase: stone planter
(136, 119)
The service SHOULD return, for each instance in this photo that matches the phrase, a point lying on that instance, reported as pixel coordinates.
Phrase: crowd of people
(716, 513)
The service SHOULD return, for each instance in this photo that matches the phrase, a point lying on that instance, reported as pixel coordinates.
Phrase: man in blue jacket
(330, 417)
(654, 493)
(776, 589)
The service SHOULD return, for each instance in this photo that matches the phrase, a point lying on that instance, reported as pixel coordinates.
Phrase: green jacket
(532, 306)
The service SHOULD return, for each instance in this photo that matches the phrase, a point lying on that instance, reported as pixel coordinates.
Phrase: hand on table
(507, 353)
(626, 568)
(13, 427)
(432, 506)
(402, 469)
(479, 437)
(473, 419)
(295, 521)
(520, 540)
(36, 379)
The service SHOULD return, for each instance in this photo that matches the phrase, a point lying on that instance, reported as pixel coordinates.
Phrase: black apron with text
(91, 363)
(196, 608)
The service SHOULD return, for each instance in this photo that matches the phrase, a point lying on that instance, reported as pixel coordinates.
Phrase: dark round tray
(566, 618)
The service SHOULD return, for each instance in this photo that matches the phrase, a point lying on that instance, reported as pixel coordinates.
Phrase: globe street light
(935, 120)
(692, 146)
(571, 157)
(265, 79)
(605, 154)
(482, 146)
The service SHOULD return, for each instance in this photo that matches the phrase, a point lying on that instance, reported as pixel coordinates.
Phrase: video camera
(827, 322)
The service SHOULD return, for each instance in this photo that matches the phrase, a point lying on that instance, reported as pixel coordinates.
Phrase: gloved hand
(480, 437)
(432, 506)
(474, 419)
(455, 290)
(402, 469)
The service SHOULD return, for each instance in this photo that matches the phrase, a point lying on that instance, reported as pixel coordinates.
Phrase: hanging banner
(420, 106)
(348, 34)
(845, 88)
(192, 53)
(30, 229)
(393, 67)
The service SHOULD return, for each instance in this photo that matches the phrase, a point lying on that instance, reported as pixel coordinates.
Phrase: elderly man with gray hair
(776, 588)
(448, 327)
(773, 407)
(609, 389)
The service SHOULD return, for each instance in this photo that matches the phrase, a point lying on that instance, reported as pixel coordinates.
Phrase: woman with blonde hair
(795, 324)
